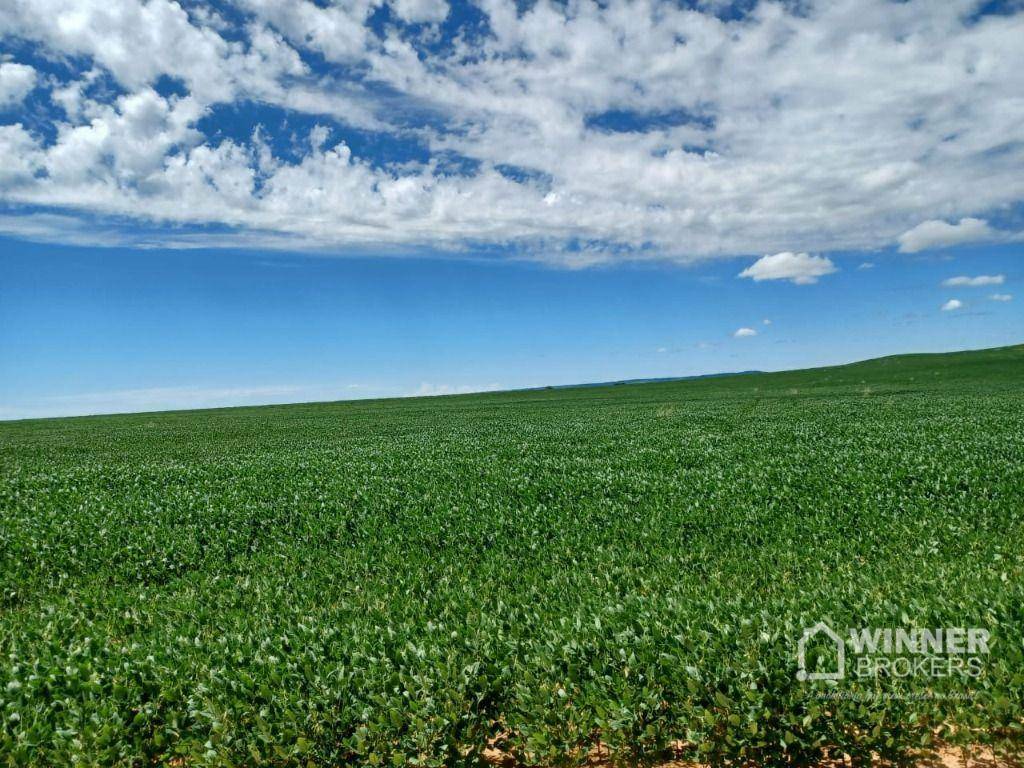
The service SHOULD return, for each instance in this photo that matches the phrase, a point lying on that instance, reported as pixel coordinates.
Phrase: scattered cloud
(173, 398)
(421, 11)
(951, 305)
(766, 321)
(427, 389)
(743, 333)
(974, 282)
(1001, 297)
(574, 133)
(799, 268)
(940, 234)
(866, 265)
(16, 80)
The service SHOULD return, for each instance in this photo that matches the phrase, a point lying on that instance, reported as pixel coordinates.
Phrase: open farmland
(404, 582)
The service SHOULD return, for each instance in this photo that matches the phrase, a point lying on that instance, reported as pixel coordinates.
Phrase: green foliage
(399, 582)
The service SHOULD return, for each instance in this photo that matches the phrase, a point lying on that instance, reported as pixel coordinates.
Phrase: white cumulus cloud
(1001, 297)
(799, 268)
(974, 282)
(742, 333)
(951, 305)
(501, 126)
(420, 11)
(941, 234)
(16, 80)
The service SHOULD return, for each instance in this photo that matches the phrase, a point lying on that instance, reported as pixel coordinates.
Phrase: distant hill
(982, 370)
(646, 381)
(998, 368)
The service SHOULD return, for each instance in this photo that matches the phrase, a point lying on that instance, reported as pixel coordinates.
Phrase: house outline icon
(801, 655)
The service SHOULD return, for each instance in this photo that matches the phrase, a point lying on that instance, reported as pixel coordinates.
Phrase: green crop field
(403, 582)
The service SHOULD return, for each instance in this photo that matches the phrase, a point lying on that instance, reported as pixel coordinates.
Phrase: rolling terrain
(544, 572)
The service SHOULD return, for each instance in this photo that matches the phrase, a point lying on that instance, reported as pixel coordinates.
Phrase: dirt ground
(943, 757)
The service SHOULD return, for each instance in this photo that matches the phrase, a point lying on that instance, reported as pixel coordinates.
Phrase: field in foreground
(405, 582)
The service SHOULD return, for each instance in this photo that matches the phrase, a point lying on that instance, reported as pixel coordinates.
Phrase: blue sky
(241, 201)
(86, 329)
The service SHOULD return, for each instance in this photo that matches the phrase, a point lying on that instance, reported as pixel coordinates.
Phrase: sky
(245, 201)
